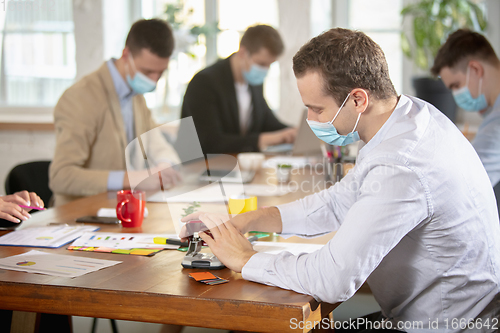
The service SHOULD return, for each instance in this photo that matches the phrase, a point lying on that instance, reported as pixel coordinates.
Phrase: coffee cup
(130, 207)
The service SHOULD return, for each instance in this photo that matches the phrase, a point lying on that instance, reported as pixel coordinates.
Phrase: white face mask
(140, 84)
(328, 133)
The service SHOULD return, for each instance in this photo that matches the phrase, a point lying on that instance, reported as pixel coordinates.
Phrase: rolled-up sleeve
(389, 203)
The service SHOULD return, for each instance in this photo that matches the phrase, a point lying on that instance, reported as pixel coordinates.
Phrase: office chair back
(33, 177)
(496, 189)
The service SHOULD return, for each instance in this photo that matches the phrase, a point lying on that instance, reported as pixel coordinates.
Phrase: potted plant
(431, 22)
(283, 172)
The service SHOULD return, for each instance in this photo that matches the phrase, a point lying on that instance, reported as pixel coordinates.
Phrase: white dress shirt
(487, 143)
(244, 98)
(416, 218)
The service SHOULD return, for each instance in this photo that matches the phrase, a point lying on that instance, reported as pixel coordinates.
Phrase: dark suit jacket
(211, 100)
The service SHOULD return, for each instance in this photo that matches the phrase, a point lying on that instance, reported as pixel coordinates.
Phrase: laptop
(306, 142)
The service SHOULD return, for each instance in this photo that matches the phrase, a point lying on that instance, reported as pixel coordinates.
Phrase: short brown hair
(262, 36)
(154, 35)
(347, 60)
(461, 46)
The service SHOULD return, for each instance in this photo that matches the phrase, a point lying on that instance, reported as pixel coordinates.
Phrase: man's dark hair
(460, 47)
(154, 35)
(346, 60)
(262, 36)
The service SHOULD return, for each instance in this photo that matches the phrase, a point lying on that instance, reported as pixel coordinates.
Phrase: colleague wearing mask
(227, 103)
(415, 218)
(469, 67)
(97, 117)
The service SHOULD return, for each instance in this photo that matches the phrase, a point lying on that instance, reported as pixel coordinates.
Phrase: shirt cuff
(253, 269)
(293, 219)
(115, 180)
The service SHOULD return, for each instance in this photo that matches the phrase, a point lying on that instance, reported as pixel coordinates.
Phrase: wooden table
(156, 289)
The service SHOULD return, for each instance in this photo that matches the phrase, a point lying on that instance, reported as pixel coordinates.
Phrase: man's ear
(476, 68)
(360, 99)
(125, 52)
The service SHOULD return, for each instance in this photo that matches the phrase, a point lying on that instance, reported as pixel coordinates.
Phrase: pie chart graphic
(25, 263)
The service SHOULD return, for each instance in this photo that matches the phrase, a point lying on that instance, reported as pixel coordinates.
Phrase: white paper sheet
(111, 212)
(293, 248)
(49, 237)
(294, 161)
(123, 241)
(213, 192)
(54, 264)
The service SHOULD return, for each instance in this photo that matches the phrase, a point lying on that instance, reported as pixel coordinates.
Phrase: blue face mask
(256, 75)
(140, 84)
(328, 133)
(464, 99)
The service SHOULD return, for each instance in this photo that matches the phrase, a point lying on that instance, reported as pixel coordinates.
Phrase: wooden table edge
(161, 308)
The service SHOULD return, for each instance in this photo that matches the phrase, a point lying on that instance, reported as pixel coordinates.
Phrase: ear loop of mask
(467, 82)
(357, 120)
(131, 61)
(345, 100)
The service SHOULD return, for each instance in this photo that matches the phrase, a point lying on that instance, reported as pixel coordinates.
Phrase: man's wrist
(245, 258)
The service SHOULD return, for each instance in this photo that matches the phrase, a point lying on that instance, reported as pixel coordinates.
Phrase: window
(383, 24)
(188, 58)
(234, 18)
(37, 60)
(191, 53)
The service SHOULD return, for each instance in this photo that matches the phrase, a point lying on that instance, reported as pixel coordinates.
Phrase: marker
(252, 239)
(33, 207)
(171, 241)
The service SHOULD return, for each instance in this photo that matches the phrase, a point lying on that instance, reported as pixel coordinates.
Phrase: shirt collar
(401, 108)
(497, 103)
(122, 88)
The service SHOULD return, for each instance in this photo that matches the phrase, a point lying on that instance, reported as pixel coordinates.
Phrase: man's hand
(214, 218)
(12, 212)
(228, 244)
(24, 198)
(286, 135)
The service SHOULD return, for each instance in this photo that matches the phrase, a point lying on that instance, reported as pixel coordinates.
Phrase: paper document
(294, 161)
(50, 236)
(293, 248)
(213, 192)
(208, 193)
(122, 240)
(111, 212)
(54, 264)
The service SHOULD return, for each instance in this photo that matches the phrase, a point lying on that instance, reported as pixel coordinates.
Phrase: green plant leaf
(421, 59)
(480, 16)
(405, 45)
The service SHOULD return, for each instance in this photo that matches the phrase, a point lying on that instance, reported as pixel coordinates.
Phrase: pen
(252, 239)
(171, 241)
(33, 207)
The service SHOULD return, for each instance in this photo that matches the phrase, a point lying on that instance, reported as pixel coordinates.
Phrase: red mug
(130, 207)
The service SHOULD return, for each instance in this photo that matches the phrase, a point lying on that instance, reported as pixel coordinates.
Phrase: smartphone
(98, 219)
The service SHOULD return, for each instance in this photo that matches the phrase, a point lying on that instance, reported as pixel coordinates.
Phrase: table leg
(24, 322)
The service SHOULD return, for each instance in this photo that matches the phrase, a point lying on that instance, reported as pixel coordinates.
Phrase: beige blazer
(90, 137)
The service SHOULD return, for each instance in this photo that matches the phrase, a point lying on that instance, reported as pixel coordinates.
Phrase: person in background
(226, 100)
(415, 218)
(10, 205)
(97, 117)
(469, 67)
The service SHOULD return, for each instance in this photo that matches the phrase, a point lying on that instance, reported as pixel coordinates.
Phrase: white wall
(17, 147)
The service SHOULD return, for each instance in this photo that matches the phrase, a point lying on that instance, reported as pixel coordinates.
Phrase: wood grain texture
(156, 289)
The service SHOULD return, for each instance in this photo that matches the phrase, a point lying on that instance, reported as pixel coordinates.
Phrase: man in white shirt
(416, 218)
